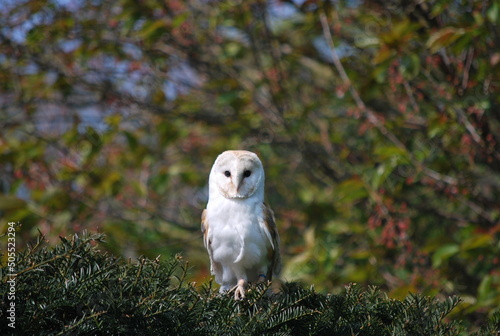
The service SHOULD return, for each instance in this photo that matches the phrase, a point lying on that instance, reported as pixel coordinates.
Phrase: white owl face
(237, 174)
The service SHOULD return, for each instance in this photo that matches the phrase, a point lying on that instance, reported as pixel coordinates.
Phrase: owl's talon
(239, 293)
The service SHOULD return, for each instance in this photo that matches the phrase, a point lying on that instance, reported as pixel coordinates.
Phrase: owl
(239, 230)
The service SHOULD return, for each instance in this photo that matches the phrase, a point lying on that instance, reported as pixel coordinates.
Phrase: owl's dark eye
(247, 173)
(227, 173)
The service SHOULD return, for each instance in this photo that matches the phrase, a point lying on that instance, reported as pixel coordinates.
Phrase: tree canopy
(377, 122)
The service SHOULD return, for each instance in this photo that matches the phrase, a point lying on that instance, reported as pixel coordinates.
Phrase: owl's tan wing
(273, 254)
(215, 268)
(204, 230)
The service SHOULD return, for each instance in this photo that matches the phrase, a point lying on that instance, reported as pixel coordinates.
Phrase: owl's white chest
(235, 233)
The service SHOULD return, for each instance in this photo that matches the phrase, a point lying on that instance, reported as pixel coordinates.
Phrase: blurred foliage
(378, 124)
(75, 289)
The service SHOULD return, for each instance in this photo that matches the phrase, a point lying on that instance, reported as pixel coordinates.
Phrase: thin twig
(463, 118)
(410, 95)
(371, 116)
(468, 64)
(93, 316)
(336, 61)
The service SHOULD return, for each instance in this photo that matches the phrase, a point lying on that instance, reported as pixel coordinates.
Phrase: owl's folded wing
(204, 230)
(272, 234)
(215, 268)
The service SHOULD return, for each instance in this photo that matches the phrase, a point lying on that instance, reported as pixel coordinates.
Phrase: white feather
(236, 234)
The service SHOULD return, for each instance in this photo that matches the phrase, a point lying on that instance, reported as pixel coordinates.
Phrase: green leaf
(485, 289)
(493, 12)
(410, 66)
(113, 120)
(179, 19)
(387, 152)
(151, 29)
(8, 202)
(444, 37)
(477, 241)
(444, 253)
(351, 190)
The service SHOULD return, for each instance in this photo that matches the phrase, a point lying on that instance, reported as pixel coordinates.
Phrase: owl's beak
(239, 182)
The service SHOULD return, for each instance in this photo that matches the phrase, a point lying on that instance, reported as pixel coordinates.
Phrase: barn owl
(239, 230)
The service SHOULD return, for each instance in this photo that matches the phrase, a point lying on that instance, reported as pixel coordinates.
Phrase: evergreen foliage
(75, 289)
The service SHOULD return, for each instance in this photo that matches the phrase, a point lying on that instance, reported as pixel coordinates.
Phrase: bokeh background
(378, 123)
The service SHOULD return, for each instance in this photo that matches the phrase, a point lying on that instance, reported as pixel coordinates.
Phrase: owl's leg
(228, 279)
(239, 291)
(263, 274)
(241, 284)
